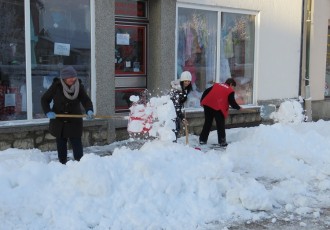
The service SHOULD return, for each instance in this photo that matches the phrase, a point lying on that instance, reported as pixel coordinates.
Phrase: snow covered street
(269, 176)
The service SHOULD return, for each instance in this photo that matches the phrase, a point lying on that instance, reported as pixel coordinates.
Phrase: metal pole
(308, 100)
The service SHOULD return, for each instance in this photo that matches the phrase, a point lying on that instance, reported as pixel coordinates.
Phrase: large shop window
(12, 61)
(198, 36)
(60, 36)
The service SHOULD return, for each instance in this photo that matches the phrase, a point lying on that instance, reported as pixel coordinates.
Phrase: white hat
(185, 76)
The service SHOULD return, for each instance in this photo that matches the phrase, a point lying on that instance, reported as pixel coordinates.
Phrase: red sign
(131, 9)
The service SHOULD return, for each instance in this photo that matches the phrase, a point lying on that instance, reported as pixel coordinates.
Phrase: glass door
(130, 62)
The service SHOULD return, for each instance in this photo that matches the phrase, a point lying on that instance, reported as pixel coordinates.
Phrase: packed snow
(270, 172)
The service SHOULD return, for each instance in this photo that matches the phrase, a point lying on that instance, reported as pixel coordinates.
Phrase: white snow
(156, 118)
(289, 112)
(270, 171)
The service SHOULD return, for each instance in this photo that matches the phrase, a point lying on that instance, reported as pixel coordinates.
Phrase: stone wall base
(103, 132)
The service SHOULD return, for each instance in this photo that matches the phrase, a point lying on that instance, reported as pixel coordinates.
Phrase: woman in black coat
(67, 95)
(179, 94)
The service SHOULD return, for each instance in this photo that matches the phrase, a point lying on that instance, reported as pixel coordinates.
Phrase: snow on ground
(270, 172)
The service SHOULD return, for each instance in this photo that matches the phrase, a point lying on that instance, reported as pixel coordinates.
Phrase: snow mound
(289, 111)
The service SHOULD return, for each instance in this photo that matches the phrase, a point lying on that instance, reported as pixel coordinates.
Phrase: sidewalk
(319, 223)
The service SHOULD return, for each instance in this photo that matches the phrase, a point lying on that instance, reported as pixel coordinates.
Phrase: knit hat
(68, 72)
(185, 76)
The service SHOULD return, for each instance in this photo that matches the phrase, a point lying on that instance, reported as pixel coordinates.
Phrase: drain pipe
(307, 21)
(304, 83)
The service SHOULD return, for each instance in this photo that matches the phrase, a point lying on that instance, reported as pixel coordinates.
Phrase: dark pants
(176, 131)
(209, 114)
(177, 127)
(62, 148)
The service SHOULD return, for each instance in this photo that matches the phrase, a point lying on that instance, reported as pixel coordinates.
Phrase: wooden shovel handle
(186, 128)
(187, 134)
(96, 116)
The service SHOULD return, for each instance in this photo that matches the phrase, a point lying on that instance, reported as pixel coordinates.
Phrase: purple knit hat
(68, 72)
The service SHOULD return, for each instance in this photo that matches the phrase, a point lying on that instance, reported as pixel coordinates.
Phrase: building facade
(274, 50)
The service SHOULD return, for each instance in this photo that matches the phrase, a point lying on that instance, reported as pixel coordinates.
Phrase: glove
(51, 115)
(90, 115)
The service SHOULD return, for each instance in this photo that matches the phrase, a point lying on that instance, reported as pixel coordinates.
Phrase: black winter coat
(65, 127)
(179, 97)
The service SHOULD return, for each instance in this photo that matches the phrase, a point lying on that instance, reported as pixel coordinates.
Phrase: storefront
(122, 47)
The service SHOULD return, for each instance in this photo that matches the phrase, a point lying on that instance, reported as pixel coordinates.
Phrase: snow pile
(289, 111)
(153, 118)
(163, 115)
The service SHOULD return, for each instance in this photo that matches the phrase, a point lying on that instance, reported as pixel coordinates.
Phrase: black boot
(223, 142)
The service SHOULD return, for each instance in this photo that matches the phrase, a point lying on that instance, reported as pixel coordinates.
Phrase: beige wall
(318, 48)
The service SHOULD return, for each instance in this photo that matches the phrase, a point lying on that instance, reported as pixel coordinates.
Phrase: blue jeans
(62, 148)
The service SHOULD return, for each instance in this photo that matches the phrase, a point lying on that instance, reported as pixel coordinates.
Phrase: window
(196, 49)
(237, 53)
(60, 36)
(12, 61)
(130, 50)
(122, 97)
(213, 53)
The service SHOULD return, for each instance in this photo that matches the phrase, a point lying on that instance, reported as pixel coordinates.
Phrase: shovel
(96, 116)
(186, 129)
(187, 133)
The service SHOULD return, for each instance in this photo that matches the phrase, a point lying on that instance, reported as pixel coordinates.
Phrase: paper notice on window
(122, 39)
(62, 49)
(10, 99)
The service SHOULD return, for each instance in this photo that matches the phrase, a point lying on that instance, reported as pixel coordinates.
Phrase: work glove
(90, 115)
(51, 115)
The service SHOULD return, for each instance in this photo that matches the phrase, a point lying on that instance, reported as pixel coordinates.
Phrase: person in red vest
(215, 101)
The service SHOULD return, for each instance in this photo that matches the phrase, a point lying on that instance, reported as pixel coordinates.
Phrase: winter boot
(223, 142)
(202, 142)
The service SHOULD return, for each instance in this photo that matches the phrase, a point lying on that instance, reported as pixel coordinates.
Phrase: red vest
(217, 98)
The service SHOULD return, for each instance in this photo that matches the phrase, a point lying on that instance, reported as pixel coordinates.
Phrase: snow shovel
(186, 128)
(187, 133)
(96, 116)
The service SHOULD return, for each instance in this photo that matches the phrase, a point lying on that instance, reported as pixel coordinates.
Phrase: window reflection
(12, 61)
(60, 36)
(237, 53)
(130, 50)
(197, 49)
